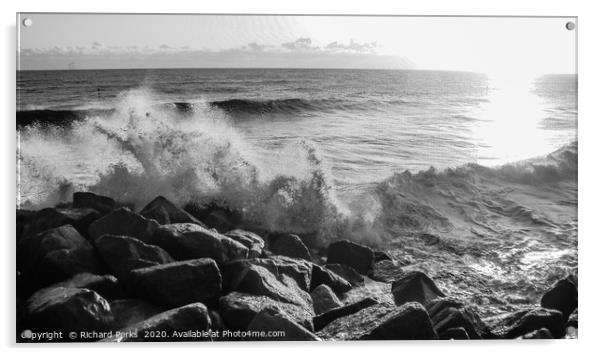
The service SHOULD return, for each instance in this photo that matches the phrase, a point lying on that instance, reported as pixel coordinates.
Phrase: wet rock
(67, 310)
(326, 318)
(128, 312)
(124, 222)
(187, 323)
(415, 286)
(348, 273)
(252, 241)
(359, 257)
(106, 285)
(299, 270)
(354, 326)
(188, 241)
(573, 320)
(36, 222)
(386, 271)
(291, 246)
(406, 322)
(272, 319)
(512, 325)
(321, 275)
(55, 255)
(265, 277)
(381, 256)
(216, 216)
(562, 297)
(448, 313)
(102, 204)
(178, 283)
(123, 253)
(165, 212)
(239, 309)
(454, 334)
(324, 299)
(542, 333)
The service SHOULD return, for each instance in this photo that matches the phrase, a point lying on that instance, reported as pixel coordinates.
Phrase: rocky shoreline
(95, 270)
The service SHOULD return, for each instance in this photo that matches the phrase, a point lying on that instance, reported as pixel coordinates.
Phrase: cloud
(301, 44)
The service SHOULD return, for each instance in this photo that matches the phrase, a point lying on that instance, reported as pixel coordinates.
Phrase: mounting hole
(570, 25)
(27, 22)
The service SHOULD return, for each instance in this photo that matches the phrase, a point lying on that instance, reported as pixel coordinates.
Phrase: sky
(502, 47)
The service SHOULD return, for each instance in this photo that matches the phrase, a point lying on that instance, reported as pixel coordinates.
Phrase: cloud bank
(301, 53)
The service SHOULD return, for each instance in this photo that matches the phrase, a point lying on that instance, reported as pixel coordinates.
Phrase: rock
(573, 320)
(252, 241)
(128, 312)
(67, 310)
(188, 241)
(415, 286)
(454, 334)
(102, 204)
(165, 212)
(348, 273)
(321, 275)
(187, 323)
(407, 322)
(239, 309)
(448, 313)
(359, 257)
(124, 222)
(381, 256)
(178, 283)
(324, 299)
(55, 255)
(106, 285)
(326, 318)
(562, 297)
(272, 319)
(542, 333)
(265, 277)
(291, 246)
(49, 218)
(123, 254)
(354, 326)
(387, 271)
(512, 325)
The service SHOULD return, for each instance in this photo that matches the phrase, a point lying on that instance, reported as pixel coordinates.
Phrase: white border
(590, 177)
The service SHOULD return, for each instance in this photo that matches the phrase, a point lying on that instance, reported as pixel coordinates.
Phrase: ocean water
(469, 178)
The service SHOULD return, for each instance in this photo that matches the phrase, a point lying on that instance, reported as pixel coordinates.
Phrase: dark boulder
(123, 254)
(106, 285)
(359, 257)
(542, 333)
(321, 275)
(406, 322)
(215, 215)
(326, 318)
(512, 325)
(102, 204)
(386, 271)
(127, 312)
(454, 334)
(55, 255)
(448, 313)
(415, 286)
(252, 241)
(381, 256)
(239, 309)
(49, 218)
(188, 241)
(299, 270)
(291, 246)
(324, 299)
(562, 297)
(273, 319)
(356, 325)
(178, 283)
(165, 212)
(348, 273)
(187, 323)
(124, 222)
(67, 310)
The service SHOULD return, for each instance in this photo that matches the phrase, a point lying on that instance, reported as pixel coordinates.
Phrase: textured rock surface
(326, 318)
(123, 222)
(165, 212)
(512, 325)
(406, 322)
(102, 204)
(106, 285)
(415, 286)
(251, 240)
(271, 319)
(291, 246)
(324, 299)
(321, 275)
(359, 257)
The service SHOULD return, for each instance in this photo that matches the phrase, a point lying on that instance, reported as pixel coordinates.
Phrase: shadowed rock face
(45, 219)
(562, 297)
(348, 273)
(321, 275)
(165, 212)
(55, 255)
(448, 313)
(324, 299)
(252, 241)
(239, 309)
(67, 309)
(359, 257)
(407, 322)
(178, 283)
(291, 246)
(512, 325)
(271, 319)
(123, 254)
(188, 241)
(124, 222)
(180, 320)
(326, 318)
(102, 204)
(415, 286)
(107, 286)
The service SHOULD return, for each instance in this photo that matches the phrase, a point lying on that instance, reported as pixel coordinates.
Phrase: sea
(468, 177)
